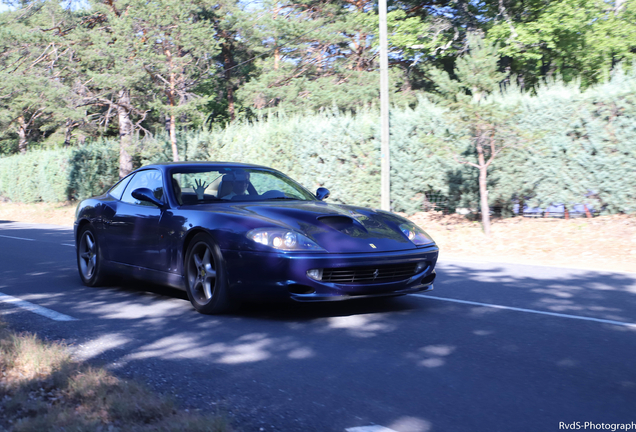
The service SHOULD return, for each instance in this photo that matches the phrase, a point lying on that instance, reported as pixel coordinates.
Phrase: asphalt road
(527, 347)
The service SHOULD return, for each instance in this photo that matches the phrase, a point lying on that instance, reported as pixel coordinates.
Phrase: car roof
(198, 164)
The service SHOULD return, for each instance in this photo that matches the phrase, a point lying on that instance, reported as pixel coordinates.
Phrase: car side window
(118, 189)
(150, 179)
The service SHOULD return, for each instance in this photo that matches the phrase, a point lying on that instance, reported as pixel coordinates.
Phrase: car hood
(336, 228)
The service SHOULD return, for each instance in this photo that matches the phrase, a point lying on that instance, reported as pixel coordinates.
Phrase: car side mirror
(145, 194)
(322, 193)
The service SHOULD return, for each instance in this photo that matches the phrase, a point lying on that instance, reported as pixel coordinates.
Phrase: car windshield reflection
(223, 184)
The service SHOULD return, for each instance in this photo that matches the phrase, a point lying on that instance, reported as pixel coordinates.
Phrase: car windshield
(202, 185)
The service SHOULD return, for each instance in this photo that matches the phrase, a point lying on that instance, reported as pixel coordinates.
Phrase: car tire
(89, 257)
(205, 278)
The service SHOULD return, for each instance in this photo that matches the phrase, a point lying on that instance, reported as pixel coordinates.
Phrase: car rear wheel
(206, 282)
(89, 260)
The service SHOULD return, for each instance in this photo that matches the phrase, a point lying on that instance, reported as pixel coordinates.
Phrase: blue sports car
(226, 232)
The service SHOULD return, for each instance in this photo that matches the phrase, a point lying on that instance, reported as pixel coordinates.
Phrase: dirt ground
(600, 243)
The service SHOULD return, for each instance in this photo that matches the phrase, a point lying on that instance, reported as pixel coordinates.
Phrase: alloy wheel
(202, 273)
(87, 255)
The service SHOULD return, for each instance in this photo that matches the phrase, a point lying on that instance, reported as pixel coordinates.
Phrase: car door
(134, 232)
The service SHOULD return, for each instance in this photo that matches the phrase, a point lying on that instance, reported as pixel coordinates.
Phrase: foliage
(321, 55)
(122, 67)
(475, 110)
(577, 147)
(59, 174)
(571, 38)
(585, 148)
(33, 93)
(92, 170)
(40, 175)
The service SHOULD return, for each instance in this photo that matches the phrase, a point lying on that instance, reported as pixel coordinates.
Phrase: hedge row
(59, 175)
(578, 148)
(37, 176)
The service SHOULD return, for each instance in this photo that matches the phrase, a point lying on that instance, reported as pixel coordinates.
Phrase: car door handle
(107, 221)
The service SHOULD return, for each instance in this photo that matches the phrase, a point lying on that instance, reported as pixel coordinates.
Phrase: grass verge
(43, 389)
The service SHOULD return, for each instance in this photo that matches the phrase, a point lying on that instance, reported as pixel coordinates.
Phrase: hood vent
(344, 224)
(338, 222)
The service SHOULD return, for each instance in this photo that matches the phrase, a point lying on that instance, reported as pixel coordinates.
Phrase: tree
(32, 81)
(129, 49)
(173, 41)
(570, 38)
(109, 76)
(234, 36)
(478, 116)
(321, 54)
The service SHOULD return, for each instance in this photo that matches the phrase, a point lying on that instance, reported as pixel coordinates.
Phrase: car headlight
(416, 234)
(282, 239)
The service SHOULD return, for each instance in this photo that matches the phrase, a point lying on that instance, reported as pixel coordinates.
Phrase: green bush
(59, 174)
(573, 147)
(92, 169)
(40, 175)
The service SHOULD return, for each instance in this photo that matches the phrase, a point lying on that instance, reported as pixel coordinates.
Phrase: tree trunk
(173, 138)
(276, 57)
(171, 99)
(68, 132)
(228, 63)
(276, 49)
(125, 134)
(230, 101)
(618, 6)
(22, 133)
(483, 190)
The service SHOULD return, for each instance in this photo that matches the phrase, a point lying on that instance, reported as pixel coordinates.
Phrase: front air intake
(370, 274)
(300, 289)
(427, 280)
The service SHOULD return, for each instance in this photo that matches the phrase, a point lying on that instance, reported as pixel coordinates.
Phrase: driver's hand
(199, 188)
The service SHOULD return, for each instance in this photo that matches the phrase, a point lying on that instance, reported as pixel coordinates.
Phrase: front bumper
(277, 275)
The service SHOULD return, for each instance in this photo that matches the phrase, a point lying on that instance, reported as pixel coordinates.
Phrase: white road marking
(17, 238)
(23, 238)
(497, 261)
(55, 316)
(372, 428)
(560, 315)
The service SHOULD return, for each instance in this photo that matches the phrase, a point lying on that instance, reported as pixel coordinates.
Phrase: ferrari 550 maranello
(227, 232)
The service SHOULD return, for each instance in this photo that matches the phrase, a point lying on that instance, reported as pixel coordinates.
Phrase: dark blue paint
(150, 242)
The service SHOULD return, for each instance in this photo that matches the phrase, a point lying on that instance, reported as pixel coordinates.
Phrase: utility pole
(385, 155)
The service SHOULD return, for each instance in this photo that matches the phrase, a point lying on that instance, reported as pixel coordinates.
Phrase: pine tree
(321, 54)
(109, 76)
(33, 85)
(476, 112)
(173, 42)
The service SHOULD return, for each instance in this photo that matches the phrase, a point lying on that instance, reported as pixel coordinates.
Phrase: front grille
(369, 274)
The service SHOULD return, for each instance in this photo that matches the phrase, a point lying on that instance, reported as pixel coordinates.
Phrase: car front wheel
(205, 276)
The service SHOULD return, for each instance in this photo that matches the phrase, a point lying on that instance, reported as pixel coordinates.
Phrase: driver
(239, 179)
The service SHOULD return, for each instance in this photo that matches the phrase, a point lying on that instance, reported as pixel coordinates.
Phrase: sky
(74, 4)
